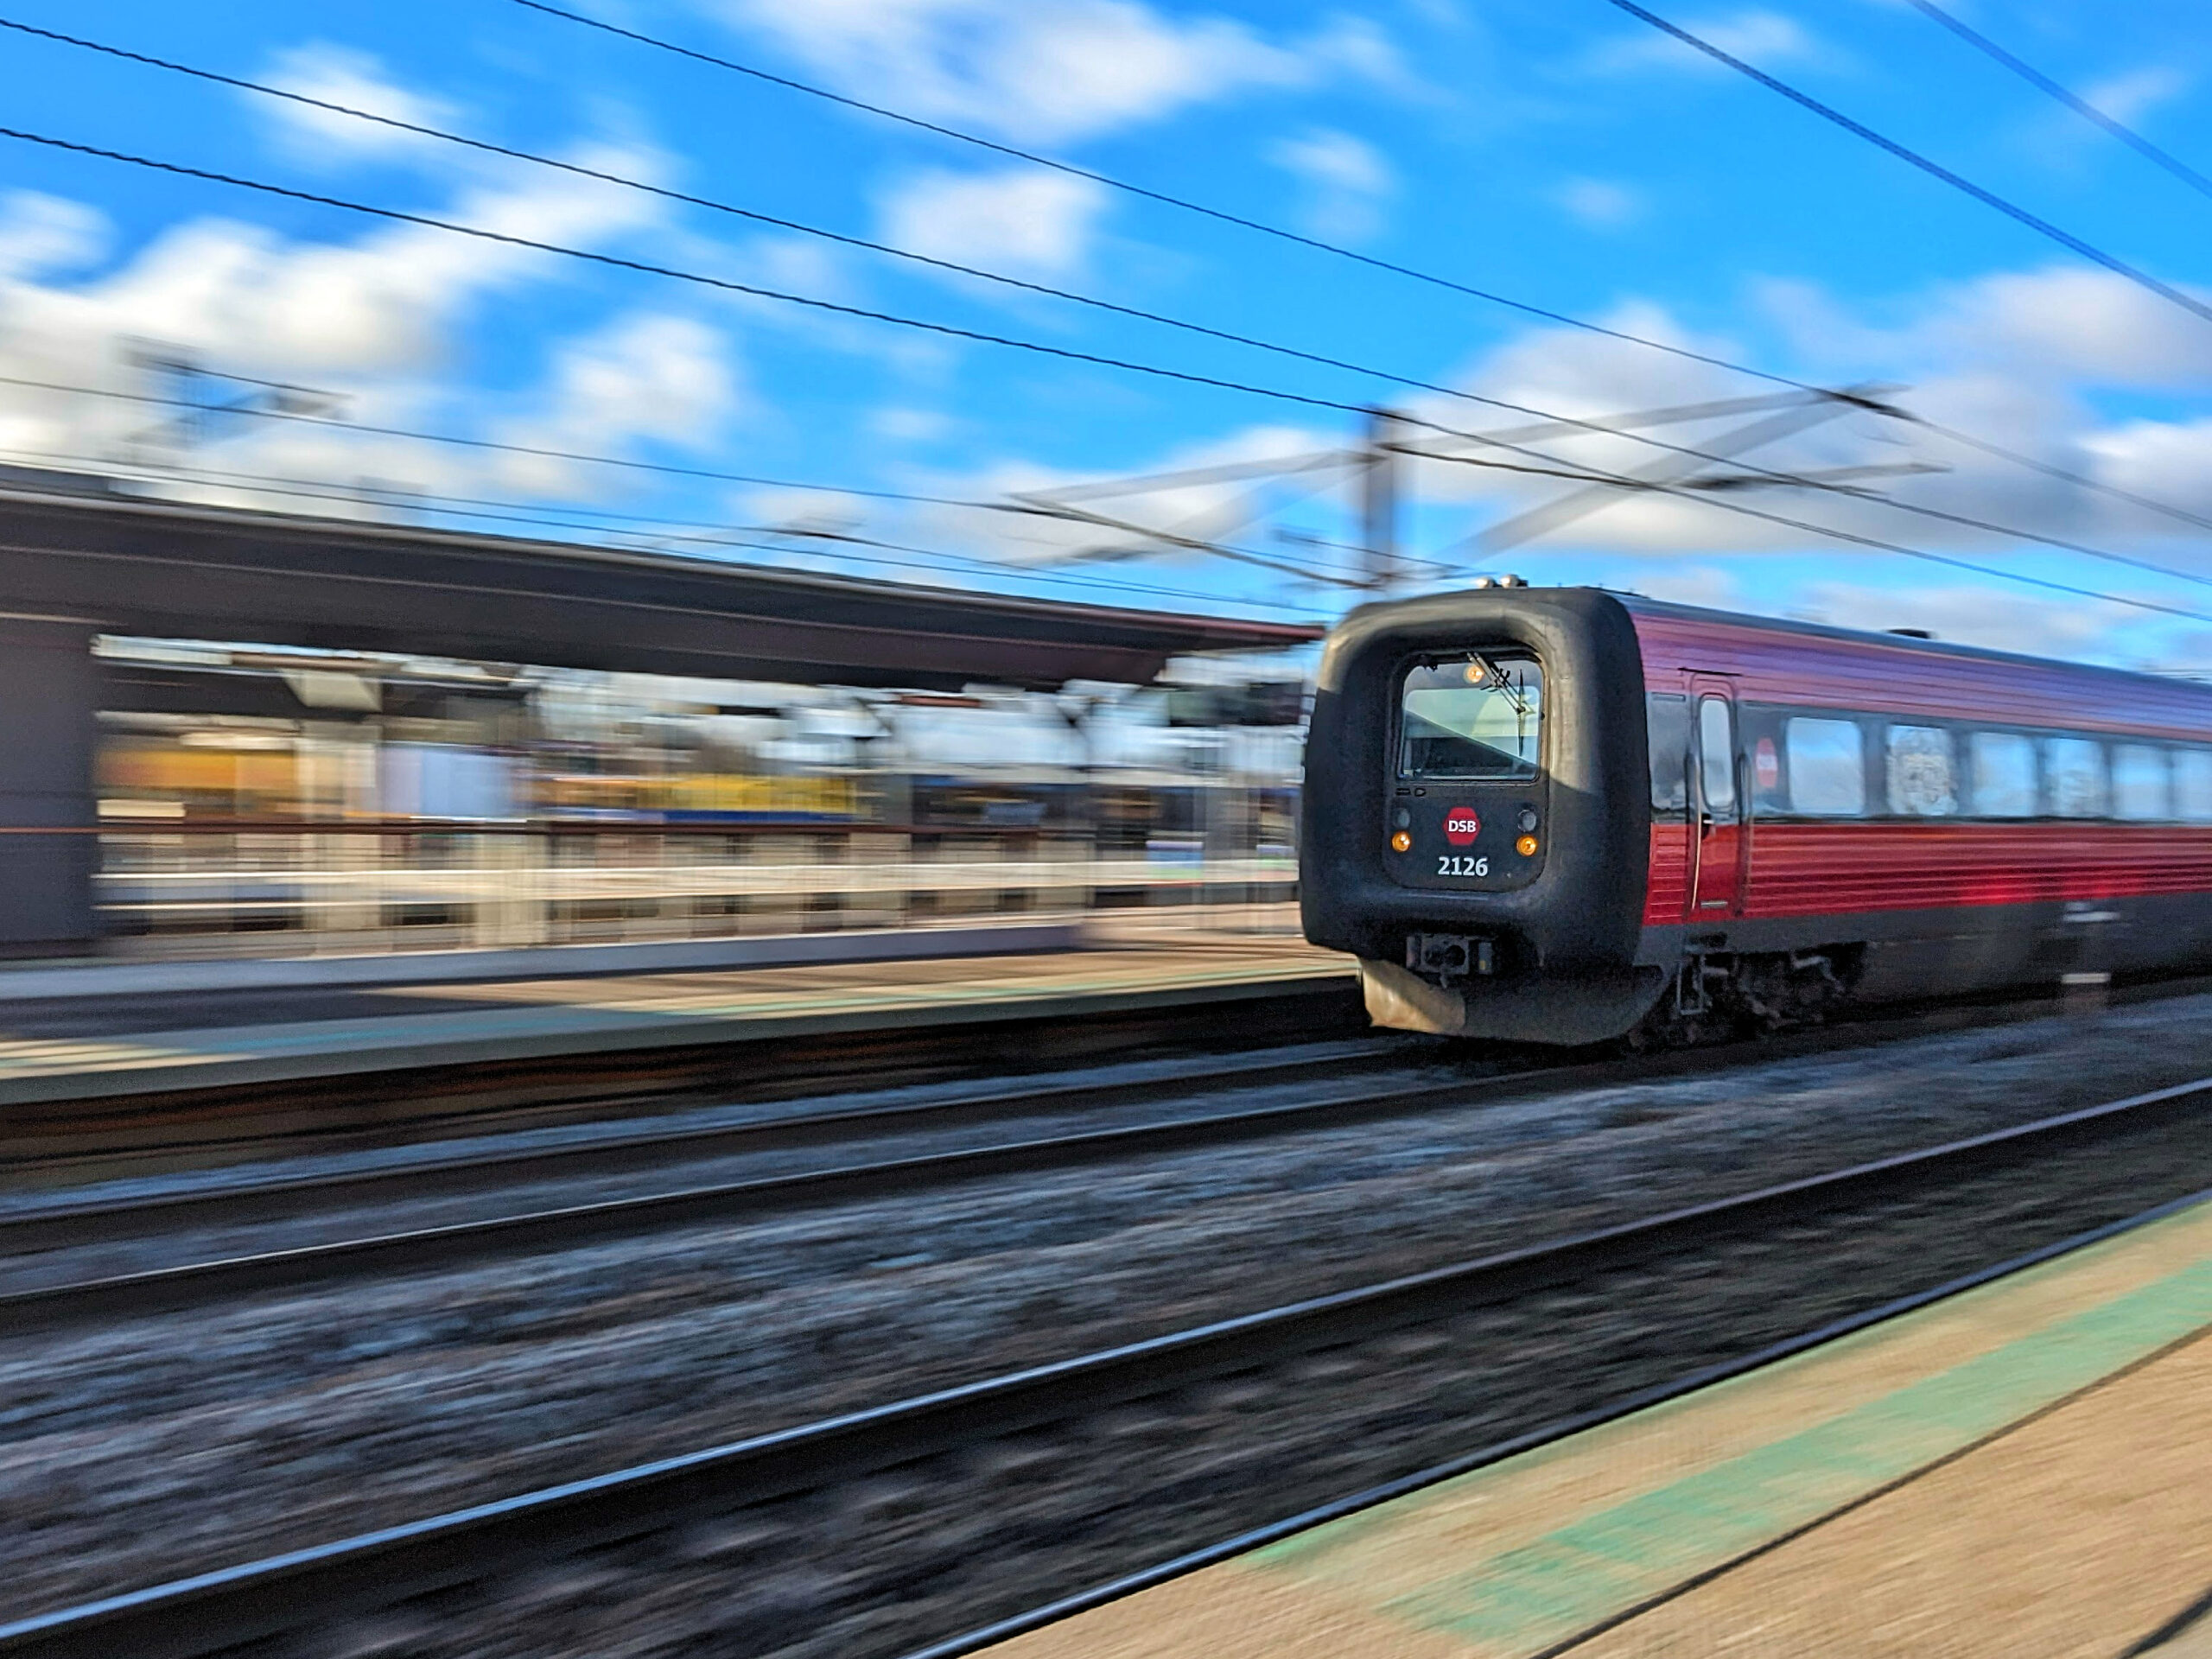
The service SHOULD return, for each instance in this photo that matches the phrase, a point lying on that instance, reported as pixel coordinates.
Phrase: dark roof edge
(1244, 633)
(1638, 602)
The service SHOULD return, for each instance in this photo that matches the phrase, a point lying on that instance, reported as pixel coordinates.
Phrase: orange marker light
(1526, 846)
(1401, 842)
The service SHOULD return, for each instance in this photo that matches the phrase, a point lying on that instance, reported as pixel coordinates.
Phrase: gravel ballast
(164, 1446)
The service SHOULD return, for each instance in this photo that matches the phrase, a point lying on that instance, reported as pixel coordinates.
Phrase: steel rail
(171, 1289)
(207, 1124)
(209, 1611)
(166, 1290)
(1213, 1554)
(113, 1220)
(105, 1220)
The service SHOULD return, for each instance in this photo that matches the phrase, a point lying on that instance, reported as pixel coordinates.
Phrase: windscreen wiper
(1513, 694)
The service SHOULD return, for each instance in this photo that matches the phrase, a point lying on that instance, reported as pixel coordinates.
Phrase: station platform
(2023, 1468)
(61, 1048)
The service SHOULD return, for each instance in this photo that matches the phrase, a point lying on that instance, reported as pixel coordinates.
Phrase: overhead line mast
(646, 268)
(1183, 375)
(1830, 479)
(1379, 499)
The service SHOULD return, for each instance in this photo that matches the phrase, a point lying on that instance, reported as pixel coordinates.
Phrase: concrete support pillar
(49, 702)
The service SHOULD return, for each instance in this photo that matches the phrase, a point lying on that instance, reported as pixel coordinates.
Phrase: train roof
(1859, 668)
(1641, 605)
(1814, 664)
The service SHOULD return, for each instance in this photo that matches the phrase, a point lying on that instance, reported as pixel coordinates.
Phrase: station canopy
(131, 566)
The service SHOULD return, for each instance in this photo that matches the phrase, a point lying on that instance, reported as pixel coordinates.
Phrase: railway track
(275, 1123)
(172, 1288)
(655, 1145)
(474, 1546)
(72, 1141)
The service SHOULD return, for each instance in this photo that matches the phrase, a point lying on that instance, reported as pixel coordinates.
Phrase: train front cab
(1476, 814)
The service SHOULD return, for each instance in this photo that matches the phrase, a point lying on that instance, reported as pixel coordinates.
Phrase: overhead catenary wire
(800, 226)
(534, 451)
(664, 529)
(1033, 507)
(1151, 316)
(1273, 348)
(1033, 503)
(1101, 360)
(1933, 168)
(1439, 567)
(1185, 204)
(1491, 296)
(2158, 154)
(1013, 342)
(648, 268)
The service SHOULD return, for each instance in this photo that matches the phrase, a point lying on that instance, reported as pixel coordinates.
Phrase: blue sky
(1562, 153)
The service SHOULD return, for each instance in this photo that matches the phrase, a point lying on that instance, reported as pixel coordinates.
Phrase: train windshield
(1472, 716)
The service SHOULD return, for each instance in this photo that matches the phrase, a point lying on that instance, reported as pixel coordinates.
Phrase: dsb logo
(1461, 826)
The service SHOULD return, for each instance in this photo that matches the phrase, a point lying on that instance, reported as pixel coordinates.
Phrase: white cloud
(2128, 98)
(372, 320)
(1347, 180)
(2011, 357)
(246, 300)
(1358, 49)
(649, 375)
(1046, 73)
(1710, 585)
(1768, 39)
(903, 425)
(819, 510)
(1965, 614)
(1600, 204)
(1197, 510)
(42, 233)
(2088, 324)
(338, 74)
(1025, 221)
(2059, 324)
(2166, 461)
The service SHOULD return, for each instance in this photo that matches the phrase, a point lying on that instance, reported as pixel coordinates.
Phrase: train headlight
(1526, 846)
(1401, 842)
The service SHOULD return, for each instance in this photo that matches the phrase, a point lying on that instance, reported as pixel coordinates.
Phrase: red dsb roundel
(1766, 764)
(1461, 825)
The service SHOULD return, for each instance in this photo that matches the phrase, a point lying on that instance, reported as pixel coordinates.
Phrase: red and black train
(1565, 815)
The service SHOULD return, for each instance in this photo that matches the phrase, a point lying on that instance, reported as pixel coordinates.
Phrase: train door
(1717, 844)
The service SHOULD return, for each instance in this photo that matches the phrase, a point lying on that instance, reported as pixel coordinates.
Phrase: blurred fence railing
(227, 888)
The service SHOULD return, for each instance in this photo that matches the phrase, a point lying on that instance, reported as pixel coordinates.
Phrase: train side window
(1827, 768)
(2193, 785)
(1666, 721)
(1922, 780)
(2073, 774)
(1667, 718)
(1759, 728)
(1716, 745)
(2004, 775)
(2139, 788)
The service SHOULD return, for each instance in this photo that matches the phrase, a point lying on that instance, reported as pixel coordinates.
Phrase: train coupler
(1445, 957)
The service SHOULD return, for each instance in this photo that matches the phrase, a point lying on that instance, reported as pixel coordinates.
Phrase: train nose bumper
(1531, 1010)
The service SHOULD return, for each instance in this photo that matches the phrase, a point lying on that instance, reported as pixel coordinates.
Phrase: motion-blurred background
(1208, 310)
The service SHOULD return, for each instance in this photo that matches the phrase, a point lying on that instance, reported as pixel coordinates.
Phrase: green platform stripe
(1539, 1593)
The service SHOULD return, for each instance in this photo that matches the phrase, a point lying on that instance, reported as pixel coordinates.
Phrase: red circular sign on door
(1461, 825)
(1766, 764)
